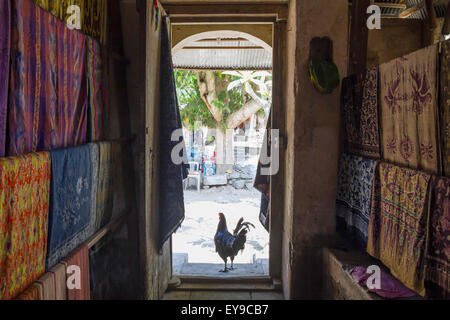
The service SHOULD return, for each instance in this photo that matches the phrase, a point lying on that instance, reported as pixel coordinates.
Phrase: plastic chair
(194, 173)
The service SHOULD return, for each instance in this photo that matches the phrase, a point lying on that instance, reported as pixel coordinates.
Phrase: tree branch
(206, 83)
(238, 117)
(263, 103)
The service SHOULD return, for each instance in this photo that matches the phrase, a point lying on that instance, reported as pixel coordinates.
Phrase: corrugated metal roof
(385, 11)
(440, 7)
(223, 54)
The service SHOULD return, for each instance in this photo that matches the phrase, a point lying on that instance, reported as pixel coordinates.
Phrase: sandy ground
(196, 236)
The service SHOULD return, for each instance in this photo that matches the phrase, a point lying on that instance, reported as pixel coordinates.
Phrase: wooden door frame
(256, 13)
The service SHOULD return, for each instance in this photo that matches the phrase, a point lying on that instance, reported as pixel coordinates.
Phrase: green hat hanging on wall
(322, 71)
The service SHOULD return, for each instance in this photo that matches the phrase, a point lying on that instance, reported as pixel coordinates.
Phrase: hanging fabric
(48, 97)
(171, 175)
(360, 113)
(438, 256)
(80, 259)
(73, 200)
(24, 190)
(5, 42)
(409, 110)
(96, 91)
(50, 287)
(108, 153)
(354, 196)
(445, 105)
(31, 294)
(399, 223)
(94, 14)
(262, 182)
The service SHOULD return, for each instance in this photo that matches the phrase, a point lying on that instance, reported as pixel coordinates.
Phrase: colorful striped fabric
(5, 41)
(50, 287)
(31, 294)
(94, 14)
(80, 260)
(399, 223)
(48, 94)
(72, 204)
(96, 91)
(24, 208)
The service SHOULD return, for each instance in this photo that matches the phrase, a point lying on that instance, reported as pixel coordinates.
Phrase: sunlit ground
(196, 236)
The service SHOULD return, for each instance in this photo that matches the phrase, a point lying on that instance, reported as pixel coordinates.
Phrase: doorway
(156, 264)
(224, 80)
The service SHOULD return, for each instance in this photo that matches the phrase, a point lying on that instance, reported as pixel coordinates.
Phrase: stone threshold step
(228, 284)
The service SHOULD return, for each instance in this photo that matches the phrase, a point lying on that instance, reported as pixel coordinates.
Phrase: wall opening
(224, 87)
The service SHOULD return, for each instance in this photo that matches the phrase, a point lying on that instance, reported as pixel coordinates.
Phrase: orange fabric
(24, 207)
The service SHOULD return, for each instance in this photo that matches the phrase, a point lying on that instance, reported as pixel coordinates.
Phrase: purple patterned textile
(390, 288)
(48, 93)
(5, 30)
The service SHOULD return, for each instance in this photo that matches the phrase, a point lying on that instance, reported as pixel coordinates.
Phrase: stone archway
(221, 34)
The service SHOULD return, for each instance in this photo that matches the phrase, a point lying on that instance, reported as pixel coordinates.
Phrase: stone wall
(313, 126)
(396, 38)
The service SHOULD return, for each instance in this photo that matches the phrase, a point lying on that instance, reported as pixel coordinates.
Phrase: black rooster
(227, 244)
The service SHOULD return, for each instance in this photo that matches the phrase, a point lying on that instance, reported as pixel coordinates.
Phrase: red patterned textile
(24, 208)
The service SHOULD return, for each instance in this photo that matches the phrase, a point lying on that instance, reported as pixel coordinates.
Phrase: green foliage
(193, 109)
(195, 113)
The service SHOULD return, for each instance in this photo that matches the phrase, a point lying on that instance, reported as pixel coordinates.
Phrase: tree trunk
(224, 150)
(207, 85)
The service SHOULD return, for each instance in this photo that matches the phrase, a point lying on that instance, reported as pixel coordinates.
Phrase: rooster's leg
(232, 264)
(226, 268)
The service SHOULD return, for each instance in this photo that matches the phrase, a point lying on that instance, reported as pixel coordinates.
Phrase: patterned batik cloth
(171, 175)
(353, 198)
(108, 152)
(5, 29)
(79, 259)
(93, 14)
(73, 200)
(360, 113)
(438, 256)
(445, 105)
(24, 208)
(48, 96)
(399, 221)
(96, 91)
(409, 110)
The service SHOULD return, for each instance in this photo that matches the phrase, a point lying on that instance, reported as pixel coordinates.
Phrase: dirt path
(196, 236)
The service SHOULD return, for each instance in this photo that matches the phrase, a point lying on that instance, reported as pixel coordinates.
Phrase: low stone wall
(337, 282)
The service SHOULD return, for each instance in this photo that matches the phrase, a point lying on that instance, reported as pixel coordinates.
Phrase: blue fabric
(72, 200)
(353, 199)
(171, 175)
